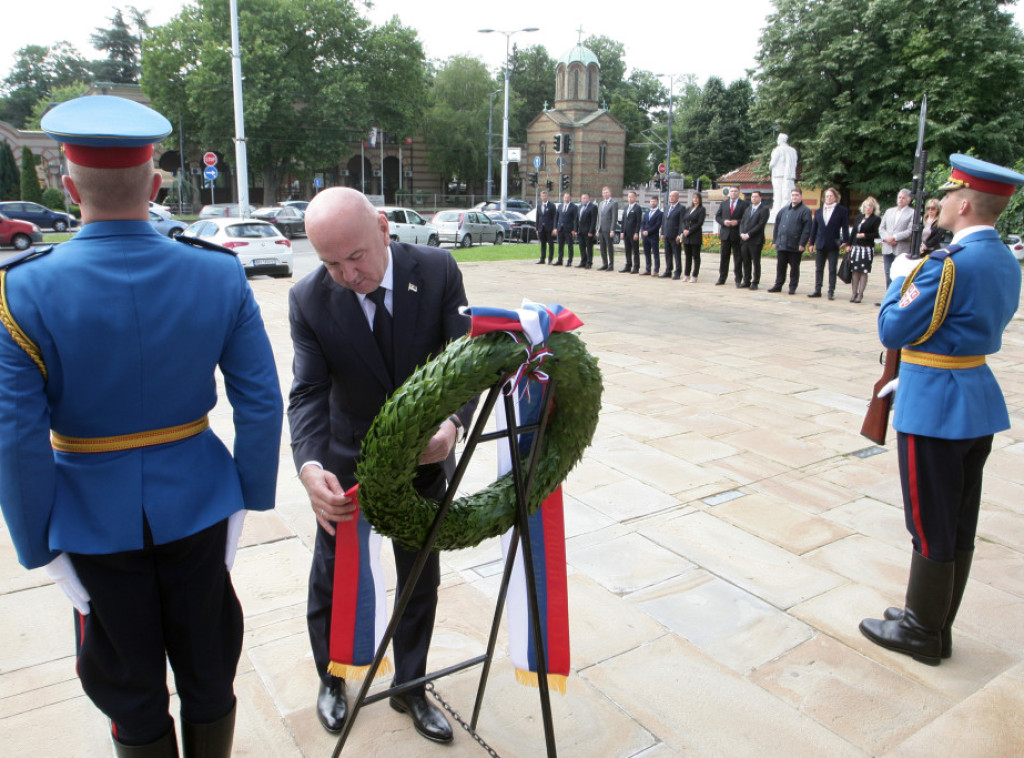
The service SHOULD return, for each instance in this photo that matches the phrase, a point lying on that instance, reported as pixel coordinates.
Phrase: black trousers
(730, 250)
(790, 258)
(820, 256)
(565, 238)
(162, 603)
(547, 244)
(606, 241)
(631, 248)
(651, 248)
(941, 491)
(692, 259)
(587, 249)
(673, 255)
(414, 631)
(750, 256)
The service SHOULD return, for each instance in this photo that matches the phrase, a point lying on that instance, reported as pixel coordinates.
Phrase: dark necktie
(383, 329)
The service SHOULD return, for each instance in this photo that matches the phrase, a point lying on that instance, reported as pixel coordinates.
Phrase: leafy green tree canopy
(455, 123)
(30, 189)
(123, 45)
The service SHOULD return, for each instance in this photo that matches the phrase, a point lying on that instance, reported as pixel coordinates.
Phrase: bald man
(349, 357)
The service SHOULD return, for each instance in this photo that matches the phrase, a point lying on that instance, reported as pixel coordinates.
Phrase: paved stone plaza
(724, 538)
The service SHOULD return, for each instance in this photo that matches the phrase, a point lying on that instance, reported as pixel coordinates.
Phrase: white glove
(235, 522)
(889, 388)
(62, 572)
(902, 266)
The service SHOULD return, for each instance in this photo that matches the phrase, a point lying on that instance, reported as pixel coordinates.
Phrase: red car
(20, 235)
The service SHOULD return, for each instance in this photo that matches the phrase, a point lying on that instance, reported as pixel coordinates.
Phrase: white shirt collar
(970, 230)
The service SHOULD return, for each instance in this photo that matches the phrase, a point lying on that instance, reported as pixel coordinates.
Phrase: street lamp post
(668, 149)
(490, 133)
(504, 128)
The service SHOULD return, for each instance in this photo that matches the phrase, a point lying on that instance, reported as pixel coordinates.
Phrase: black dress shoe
(720, 282)
(831, 295)
(558, 263)
(636, 270)
(541, 261)
(426, 718)
(581, 264)
(602, 267)
(625, 270)
(742, 285)
(675, 275)
(753, 286)
(816, 293)
(331, 707)
(776, 288)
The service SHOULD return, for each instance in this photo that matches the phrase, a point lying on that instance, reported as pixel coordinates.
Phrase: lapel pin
(413, 287)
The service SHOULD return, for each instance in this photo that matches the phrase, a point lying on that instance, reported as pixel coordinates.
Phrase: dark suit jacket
(546, 213)
(724, 214)
(567, 219)
(652, 222)
(673, 225)
(341, 381)
(753, 223)
(631, 220)
(588, 219)
(693, 221)
(826, 236)
(869, 227)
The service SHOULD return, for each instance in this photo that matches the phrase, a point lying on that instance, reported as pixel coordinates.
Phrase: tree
(10, 176)
(30, 189)
(531, 85)
(845, 78)
(611, 56)
(57, 95)
(37, 71)
(632, 104)
(455, 123)
(714, 135)
(123, 46)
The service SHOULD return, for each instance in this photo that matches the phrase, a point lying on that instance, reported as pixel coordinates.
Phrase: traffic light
(566, 143)
(664, 184)
(550, 185)
(558, 143)
(533, 178)
(565, 182)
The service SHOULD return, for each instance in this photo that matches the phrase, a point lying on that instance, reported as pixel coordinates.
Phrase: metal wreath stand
(523, 480)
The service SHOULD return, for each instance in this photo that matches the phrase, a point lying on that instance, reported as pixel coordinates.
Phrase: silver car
(464, 228)
(165, 224)
(406, 225)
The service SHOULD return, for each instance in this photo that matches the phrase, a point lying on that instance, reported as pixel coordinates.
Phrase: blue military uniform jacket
(961, 403)
(131, 326)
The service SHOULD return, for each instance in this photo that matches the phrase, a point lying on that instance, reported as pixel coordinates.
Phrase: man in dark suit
(650, 230)
(728, 217)
(829, 225)
(607, 221)
(566, 220)
(631, 220)
(545, 226)
(587, 230)
(755, 217)
(342, 315)
(671, 230)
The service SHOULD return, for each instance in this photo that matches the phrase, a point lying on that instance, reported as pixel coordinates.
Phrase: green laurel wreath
(404, 426)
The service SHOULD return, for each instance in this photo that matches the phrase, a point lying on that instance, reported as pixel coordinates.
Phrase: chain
(444, 704)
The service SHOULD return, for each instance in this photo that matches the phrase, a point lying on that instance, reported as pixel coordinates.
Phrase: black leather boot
(165, 747)
(919, 633)
(209, 740)
(961, 571)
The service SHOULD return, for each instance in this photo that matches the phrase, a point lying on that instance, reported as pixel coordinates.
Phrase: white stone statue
(783, 168)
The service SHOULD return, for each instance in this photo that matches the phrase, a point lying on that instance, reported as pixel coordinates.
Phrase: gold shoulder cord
(942, 297)
(20, 338)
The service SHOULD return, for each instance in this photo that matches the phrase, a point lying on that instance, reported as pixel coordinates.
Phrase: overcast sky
(725, 43)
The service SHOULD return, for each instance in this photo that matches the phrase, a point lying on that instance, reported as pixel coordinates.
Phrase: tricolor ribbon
(358, 615)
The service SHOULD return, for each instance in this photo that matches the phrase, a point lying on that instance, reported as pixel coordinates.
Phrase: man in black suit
(755, 217)
(728, 217)
(587, 230)
(631, 220)
(830, 226)
(650, 230)
(566, 221)
(546, 225)
(368, 293)
(671, 231)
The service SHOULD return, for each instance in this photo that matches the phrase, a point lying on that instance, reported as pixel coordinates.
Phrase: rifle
(876, 420)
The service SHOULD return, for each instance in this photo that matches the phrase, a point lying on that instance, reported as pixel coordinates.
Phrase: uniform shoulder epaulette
(206, 245)
(944, 252)
(25, 256)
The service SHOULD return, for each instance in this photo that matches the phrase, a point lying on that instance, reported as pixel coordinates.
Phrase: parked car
(260, 247)
(511, 204)
(20, 235)
(288, 219)
(1016, 245)
(407, 225)
(40, 215)
(222, 210)
(160, 210)
(463, 228)
(297, 204)
(165, 224)
(519, 227)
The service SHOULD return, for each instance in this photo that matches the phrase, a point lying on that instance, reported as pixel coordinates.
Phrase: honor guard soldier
(110, 476)
(946, 313)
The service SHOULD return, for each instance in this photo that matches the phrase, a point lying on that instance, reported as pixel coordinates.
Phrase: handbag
(844, 272)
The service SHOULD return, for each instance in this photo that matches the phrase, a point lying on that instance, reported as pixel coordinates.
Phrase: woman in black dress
(693, 236)
(863, 233)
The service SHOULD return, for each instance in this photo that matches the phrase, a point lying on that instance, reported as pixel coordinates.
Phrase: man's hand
(66, 578)
(326, 497)
(234, 532)
(744, 237)
(440, 444)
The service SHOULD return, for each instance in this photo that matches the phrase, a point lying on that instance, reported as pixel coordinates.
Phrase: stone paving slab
(724, 539)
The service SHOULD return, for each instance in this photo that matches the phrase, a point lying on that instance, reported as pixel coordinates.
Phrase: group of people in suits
(568, 224)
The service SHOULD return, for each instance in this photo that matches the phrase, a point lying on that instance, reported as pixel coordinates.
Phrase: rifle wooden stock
(876, 420)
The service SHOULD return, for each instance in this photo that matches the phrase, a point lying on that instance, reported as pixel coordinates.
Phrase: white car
(260, 247)
(407, 225)
(1016, 245)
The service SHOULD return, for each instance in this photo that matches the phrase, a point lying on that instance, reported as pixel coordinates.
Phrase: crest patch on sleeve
(909, 296)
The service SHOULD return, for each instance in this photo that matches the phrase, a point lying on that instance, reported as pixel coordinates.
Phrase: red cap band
(983, 185)
(108, 157)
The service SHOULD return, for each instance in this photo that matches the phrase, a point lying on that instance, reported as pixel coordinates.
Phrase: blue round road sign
(210, 172)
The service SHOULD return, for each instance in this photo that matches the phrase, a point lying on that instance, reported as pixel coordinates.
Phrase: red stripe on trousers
(915, 495)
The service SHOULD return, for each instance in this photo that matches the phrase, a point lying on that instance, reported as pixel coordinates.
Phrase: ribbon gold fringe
(348, 671)
(530, 679)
